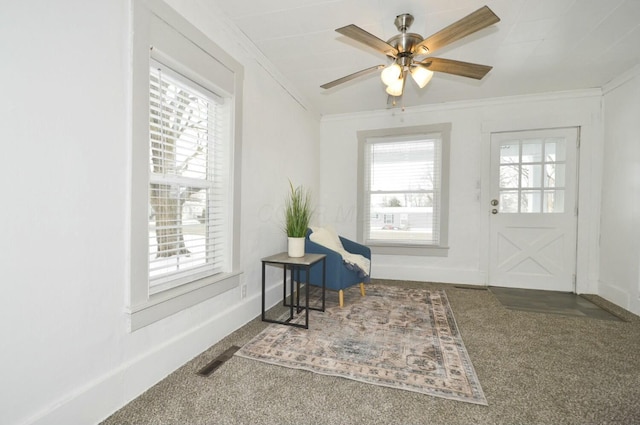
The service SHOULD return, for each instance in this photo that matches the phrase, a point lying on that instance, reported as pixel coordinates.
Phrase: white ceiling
(538, 46)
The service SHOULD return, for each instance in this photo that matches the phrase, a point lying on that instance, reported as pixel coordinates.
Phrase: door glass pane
(509, 176)
(530, 202)
(554, 175)
(532, 151)
(553, 201)
(510, 153)
(555, 150)
(508, 202)
(531, 175)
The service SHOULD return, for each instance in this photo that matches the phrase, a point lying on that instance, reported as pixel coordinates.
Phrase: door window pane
(509, 175)
(532, 151)
(530, 202)
(553, 201)
(531, 175)
(509, 202)
(531, 164)
(510, 153)
(554, 175)
(555, 150)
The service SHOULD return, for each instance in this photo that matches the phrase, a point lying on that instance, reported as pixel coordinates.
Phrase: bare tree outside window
(179, 157)
(166, 200)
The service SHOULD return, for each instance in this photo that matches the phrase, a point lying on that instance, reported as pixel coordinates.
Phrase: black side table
(294, 265)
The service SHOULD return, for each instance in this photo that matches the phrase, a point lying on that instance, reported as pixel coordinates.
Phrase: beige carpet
(394, 337)
(535, 368)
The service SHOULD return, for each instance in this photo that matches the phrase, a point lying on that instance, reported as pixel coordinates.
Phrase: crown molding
(465, 104)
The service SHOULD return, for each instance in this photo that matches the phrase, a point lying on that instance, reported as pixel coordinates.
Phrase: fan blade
(358, 34)
(449, 66)
(351, 76)
(471, 23)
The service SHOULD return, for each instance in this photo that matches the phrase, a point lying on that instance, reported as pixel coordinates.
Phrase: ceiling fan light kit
(391, 73)
(396, 88)
(421, 75)
(409, 52)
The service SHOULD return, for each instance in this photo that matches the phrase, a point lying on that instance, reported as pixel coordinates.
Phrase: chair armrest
(355, 247)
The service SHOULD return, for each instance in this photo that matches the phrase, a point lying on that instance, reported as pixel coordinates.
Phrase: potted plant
(297, 216)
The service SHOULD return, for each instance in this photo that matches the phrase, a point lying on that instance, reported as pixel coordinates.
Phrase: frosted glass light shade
(421, 75)
(395, 88)
(390, 74)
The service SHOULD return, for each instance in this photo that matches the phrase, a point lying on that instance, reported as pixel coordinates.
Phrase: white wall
(66, 356)
(472, 123)
(620, 221)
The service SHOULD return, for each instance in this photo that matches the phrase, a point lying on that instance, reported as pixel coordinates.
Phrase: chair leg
(362, 289)
(341, 298)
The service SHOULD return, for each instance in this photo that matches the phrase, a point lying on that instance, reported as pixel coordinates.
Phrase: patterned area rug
(396, 337)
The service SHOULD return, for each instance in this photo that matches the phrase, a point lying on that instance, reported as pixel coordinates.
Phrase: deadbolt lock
(494, 202)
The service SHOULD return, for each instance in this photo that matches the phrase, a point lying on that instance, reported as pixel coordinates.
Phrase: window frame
(209, 181)
(159, 33)
(401, 134)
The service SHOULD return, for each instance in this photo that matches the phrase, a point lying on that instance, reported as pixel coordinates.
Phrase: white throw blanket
(330, 239)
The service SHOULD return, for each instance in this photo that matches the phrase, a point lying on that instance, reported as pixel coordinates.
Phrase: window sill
(416, 250)
(171, 301)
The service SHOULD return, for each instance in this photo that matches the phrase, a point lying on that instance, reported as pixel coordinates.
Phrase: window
(186, 121)
(403, 189)
(188, 175)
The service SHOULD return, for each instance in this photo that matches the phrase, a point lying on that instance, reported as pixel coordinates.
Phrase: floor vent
(218, 361)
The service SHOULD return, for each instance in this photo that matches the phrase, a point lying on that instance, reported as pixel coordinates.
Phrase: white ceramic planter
(296, 247)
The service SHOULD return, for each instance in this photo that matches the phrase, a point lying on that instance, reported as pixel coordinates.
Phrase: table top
(283, 258)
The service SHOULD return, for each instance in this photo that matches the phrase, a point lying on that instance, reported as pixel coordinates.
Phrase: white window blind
(188, 181)
(402, 190)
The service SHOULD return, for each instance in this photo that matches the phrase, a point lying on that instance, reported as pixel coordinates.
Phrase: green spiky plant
(297, 212)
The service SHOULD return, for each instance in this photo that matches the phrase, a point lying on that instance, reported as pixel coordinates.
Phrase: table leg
(324, 280)
(306, 285)
(291, 303)
(297, 289)
(284, 286)
(263, 290)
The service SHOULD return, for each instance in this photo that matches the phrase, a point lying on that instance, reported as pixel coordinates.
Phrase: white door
(533, 216)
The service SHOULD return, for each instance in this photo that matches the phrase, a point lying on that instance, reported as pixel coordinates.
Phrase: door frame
(588, 180)
(569, 280)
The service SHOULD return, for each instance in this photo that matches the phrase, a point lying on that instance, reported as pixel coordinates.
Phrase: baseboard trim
(427, 274)
(100, 398)
(613, 294)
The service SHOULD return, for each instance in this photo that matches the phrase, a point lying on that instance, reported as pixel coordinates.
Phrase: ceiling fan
(409, 52)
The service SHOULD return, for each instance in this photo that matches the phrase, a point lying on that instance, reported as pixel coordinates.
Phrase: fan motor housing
(405, 42)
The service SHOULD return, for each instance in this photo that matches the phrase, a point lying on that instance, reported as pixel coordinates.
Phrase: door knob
(494, 202)
(494, 211)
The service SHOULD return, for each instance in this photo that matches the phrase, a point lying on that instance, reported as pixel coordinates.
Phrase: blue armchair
(339, 275)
